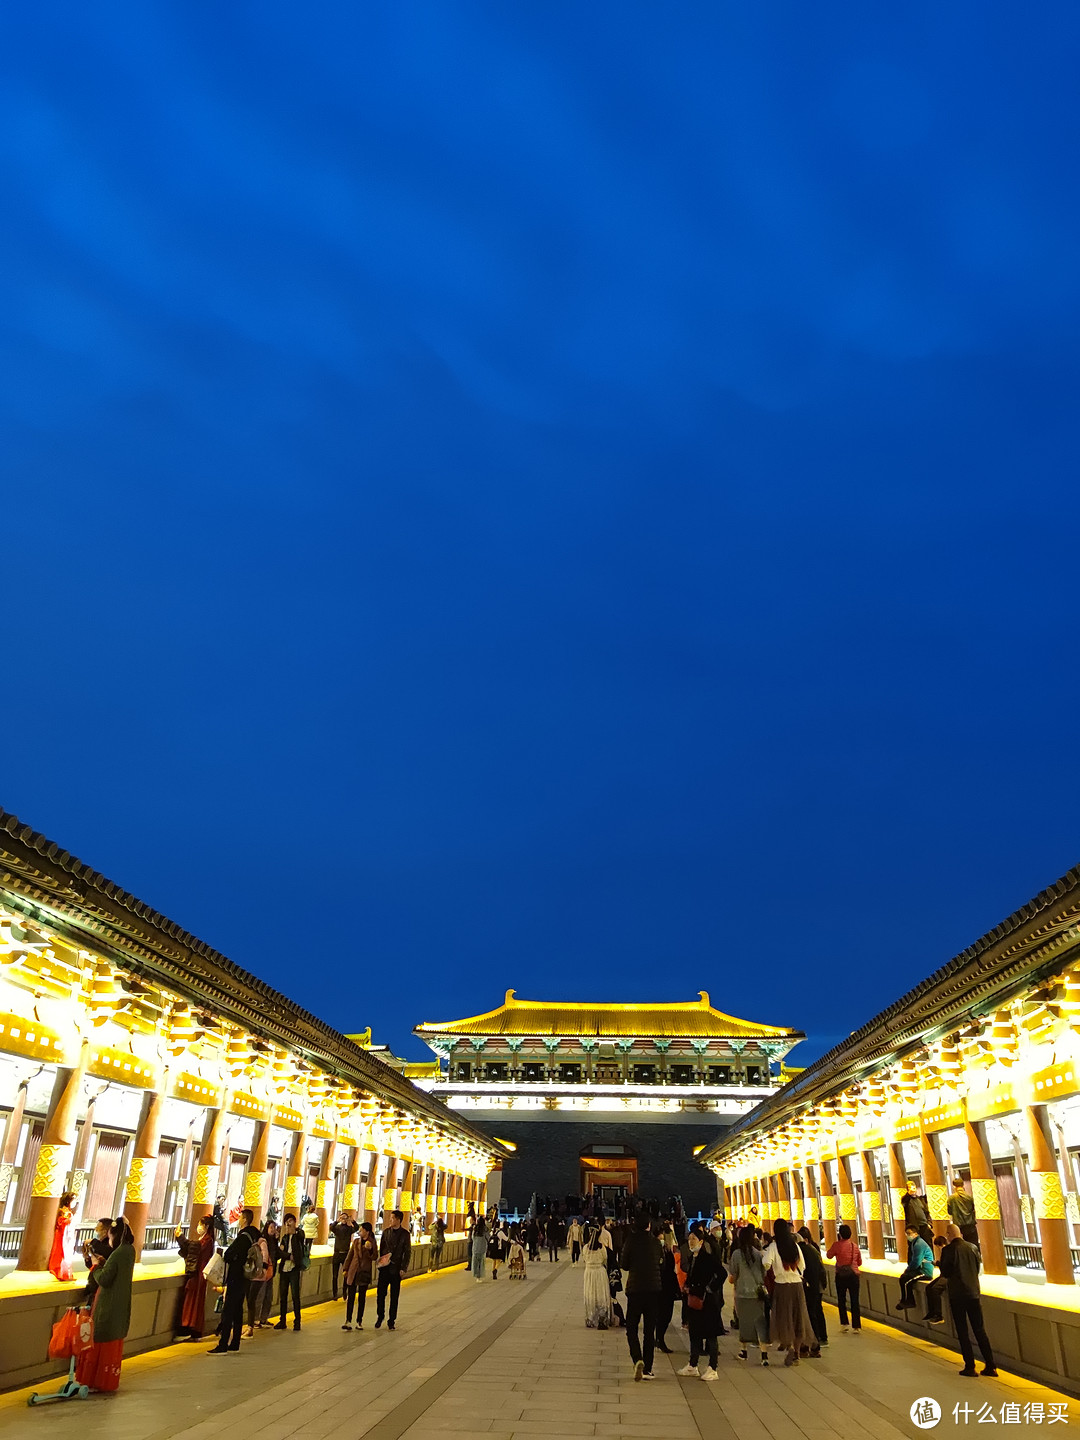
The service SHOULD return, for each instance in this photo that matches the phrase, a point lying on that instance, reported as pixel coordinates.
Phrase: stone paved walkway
(507, 1361)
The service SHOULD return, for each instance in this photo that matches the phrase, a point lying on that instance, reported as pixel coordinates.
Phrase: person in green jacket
(109, 1286)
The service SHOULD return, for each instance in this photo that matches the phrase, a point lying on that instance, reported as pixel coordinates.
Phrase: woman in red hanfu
(63, 1245)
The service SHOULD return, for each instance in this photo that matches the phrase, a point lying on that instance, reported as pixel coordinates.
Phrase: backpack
(257, 1261)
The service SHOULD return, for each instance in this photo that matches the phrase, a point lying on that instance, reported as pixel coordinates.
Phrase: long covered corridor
(510, 1360)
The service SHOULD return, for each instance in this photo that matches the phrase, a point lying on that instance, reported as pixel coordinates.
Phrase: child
(517, 1258)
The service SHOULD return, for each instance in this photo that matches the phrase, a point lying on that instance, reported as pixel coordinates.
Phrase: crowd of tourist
(640, 1260)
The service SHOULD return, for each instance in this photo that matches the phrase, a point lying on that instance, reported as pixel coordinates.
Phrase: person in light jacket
(479, 1244)
(748, 1276)
(789, 1321)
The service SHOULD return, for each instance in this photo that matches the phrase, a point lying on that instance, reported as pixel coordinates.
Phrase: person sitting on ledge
(920, 1266)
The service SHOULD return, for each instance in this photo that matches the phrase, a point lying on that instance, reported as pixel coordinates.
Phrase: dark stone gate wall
(547, 1157)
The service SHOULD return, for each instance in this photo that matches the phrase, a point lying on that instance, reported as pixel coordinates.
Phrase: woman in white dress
(597, 1289)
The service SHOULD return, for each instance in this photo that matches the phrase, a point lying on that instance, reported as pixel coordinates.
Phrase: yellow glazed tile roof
(690, 1018)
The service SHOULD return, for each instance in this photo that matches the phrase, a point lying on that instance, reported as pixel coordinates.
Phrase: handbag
(695, 1302)
(214, 1269)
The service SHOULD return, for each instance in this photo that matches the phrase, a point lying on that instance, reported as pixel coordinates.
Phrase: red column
(828, 1204)
(140, 1185)
(987, 1202)
(937, 1194)
(10, 1146)
(255, 1186)
(323, 1192)
(204, 1191)
(811, 1208)
(1049, 1199)
(875, 1237)
(294, 1180)
(898, 1189)
(848, 1211)
(782, 1196)
(54, 1160)
(350, 1199)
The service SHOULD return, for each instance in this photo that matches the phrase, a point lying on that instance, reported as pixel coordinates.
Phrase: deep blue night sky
(580, 498)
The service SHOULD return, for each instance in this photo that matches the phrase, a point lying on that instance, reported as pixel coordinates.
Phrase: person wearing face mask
(702, 1308)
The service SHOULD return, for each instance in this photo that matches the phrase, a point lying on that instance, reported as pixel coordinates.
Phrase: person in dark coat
(356, 1276)
(395, 1250)
(669, 1290)
(532, 1238)
(343, 1230)
(916, 1215)
(291, 1256)
(236, 1286)
(702, 1282)
(640, 1261)
(552, 1235)
(99, 1366)
(196, 1251)
(814, 1283)
(960, 1263)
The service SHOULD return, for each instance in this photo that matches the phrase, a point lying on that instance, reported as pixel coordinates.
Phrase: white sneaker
(843, 1329)
(710, 1374)
(648, 1375)
(687, 1370)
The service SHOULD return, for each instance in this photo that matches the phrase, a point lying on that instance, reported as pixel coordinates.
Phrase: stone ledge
(31, 1304)
(1034, 1330)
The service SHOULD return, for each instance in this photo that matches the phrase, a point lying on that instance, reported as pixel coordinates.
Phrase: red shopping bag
(63, 1333)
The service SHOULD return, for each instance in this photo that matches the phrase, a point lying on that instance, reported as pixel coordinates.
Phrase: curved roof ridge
(523, 1017)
